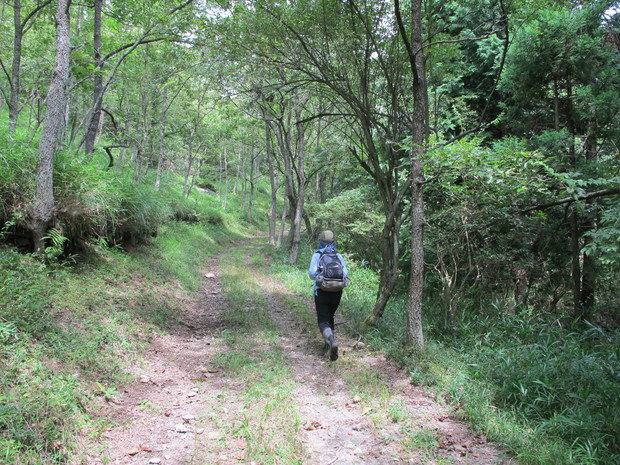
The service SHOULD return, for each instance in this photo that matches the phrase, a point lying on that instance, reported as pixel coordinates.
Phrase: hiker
(329, 272)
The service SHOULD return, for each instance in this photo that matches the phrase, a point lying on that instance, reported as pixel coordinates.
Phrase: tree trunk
(390, 251)
(42, 209)
(418, 143)
(225, 178)
(575, 261)
(251, 200)
(272, 181)
(242, 177)
(284, 144)
(16, 67)
(589, 268)
(220, 177)
(237, 174)
(301, 182)
(162, 132)
(20, 28)
(282, 224)
(416, 280)
(190, 161)
(93, 125)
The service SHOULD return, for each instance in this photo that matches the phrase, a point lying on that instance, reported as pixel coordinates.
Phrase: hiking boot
(333, 347)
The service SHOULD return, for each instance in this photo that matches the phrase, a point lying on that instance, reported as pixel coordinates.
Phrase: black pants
(326, 304)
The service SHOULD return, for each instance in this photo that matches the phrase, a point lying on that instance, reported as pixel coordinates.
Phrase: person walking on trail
(329, 272)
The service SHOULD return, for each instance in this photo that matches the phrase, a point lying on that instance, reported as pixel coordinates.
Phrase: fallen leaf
(311, 425)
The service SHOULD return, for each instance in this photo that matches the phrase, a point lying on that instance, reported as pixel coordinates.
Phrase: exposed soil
(167, 415)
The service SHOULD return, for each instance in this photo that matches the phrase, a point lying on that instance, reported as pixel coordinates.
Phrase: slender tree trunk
(243, 177)
(589, 268)
(95, 119)
(16, 67)
(251, 199)
(20, 28)
(575, 231)
(237, 175)
(556, 107)
(301, 180)
(220, 177)
(190, 161)
(272, 182)
(282, 223)
(193, 177)
(284, 145)
(162, 133)
(389, 267)
(575, 261)
(137, 169)
(42, 209)
(225, 178)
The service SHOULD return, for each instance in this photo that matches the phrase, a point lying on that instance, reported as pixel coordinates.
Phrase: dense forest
(465, 153)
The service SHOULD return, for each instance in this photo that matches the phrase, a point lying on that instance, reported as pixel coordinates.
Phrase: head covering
(327, 242)
(327, 236)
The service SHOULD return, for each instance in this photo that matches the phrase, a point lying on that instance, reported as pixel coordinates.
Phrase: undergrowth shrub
(93, 202)
(102, 203)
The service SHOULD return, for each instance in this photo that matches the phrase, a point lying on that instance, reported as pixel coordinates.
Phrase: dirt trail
(181, 400)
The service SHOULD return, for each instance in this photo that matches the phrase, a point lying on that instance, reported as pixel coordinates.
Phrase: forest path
(214, 392)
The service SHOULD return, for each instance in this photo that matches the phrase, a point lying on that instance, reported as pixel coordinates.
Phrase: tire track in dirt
(159, 418)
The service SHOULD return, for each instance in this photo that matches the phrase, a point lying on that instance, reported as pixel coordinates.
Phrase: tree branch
(568, 200)
(323, 115)
(6, 71)
(32, 14)
(109, 152)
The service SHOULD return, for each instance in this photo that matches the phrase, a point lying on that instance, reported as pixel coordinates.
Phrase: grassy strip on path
(266, 421)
